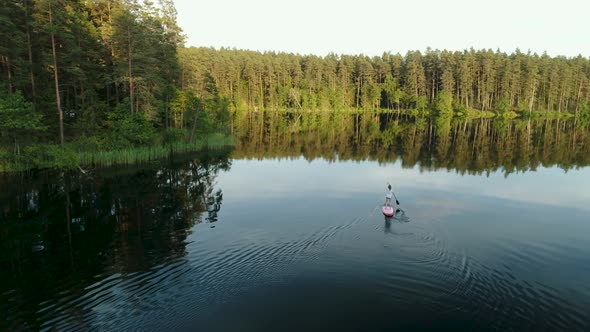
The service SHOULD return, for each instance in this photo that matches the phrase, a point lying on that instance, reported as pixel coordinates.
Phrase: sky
(372, 27)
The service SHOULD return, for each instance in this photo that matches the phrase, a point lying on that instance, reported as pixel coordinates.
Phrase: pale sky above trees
(372, 27)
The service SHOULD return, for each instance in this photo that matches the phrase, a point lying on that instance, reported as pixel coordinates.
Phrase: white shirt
(388, 193)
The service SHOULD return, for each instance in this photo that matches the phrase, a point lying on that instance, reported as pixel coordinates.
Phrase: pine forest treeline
(76, 61)
(80, 76)
(83, 57)
(95, 75)
(482, 80)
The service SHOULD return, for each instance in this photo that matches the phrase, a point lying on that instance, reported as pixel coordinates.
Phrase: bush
(174, 135)
(444, 103)
(508, 115)
(48, 156)
(460, 108)
(18, 120)
(88, 143)
(503, 105)
(129, 130)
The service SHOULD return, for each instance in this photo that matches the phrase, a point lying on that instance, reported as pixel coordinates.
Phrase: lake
(284, 232)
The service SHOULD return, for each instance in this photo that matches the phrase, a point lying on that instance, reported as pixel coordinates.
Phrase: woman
(388, 194)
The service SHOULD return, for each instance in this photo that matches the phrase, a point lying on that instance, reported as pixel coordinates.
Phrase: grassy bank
(55, 157)
(149, 153)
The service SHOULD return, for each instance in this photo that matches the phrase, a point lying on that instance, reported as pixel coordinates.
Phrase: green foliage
(149, 153)
(185, 109)
(421, 123)
(105, 51)
(90, 121)
(129, 129)
(91, 151)
(90, 143)
(6, 161)
(120, 79)
(46, 156)
(583, 118)
(459, 108)
(17, 115)
(443, 126)
(444, 103)
(508, 115)
(477, 114)
(502, 105)
(421, 102)
(546, 115)
(216, 114)
(116, 68)
(178, 106)
(478, 80)
(174, 135)
(391, 132)
(523, 106)
(441, 142)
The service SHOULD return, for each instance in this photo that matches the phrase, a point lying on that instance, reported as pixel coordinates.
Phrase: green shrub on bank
(477, 114)
(41, 156)
(92, 151)
(128, 129)
(507, 115)
(444, 103)
(174, 135)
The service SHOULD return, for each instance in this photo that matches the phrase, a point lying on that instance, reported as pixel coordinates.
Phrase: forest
(445, 81)
(89, 77)
(110, 81)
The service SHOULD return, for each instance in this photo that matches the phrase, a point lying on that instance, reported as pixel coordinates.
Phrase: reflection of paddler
(400, 218)
(387, 228)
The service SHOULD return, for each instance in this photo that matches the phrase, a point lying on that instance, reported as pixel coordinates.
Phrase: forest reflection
(472, 146)
(63, 230)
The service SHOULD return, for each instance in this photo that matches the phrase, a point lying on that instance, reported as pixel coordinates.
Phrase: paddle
(395, 197)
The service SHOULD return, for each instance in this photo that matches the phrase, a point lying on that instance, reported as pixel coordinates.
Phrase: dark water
(285, 233)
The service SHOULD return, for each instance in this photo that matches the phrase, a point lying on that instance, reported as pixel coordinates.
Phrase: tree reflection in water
(63, 229)
(472, 146)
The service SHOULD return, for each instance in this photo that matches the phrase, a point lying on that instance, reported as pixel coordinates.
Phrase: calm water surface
(286, 233)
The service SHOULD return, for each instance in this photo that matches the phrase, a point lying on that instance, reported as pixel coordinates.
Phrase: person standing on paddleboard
(388, 195)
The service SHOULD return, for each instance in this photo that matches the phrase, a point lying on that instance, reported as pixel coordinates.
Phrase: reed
(150, 153)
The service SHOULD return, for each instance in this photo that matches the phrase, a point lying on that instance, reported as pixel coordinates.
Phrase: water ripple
(417, 264)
